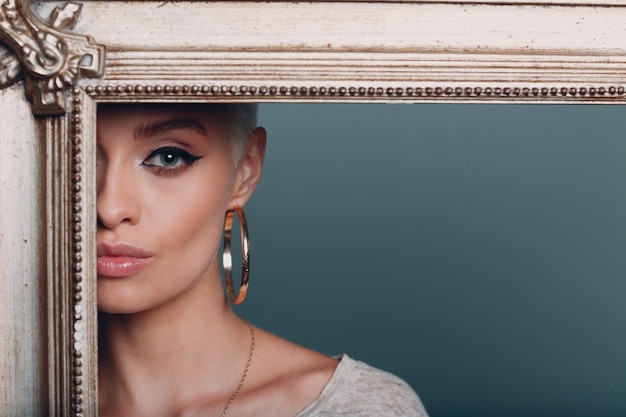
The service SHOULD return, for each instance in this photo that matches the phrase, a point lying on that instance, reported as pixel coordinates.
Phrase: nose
(118, 201)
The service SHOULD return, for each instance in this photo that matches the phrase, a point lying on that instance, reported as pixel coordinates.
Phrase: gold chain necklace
(245, 371)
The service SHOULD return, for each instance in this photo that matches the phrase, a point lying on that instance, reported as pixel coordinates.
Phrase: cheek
(189, 223)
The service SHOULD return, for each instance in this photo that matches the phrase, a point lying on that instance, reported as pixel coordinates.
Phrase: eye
(169, 160)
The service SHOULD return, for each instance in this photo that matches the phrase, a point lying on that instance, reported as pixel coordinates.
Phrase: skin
(170, 343)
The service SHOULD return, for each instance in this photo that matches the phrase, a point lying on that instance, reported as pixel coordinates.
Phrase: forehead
(140, 117)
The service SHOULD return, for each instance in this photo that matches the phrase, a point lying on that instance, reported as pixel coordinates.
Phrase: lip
(122, 260)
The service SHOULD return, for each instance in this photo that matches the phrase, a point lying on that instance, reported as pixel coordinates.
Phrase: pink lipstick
(122, 260)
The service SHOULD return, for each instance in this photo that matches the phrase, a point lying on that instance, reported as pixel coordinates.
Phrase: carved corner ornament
(50, 60)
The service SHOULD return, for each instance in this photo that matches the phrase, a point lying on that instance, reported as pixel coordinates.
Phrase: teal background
(477, 251)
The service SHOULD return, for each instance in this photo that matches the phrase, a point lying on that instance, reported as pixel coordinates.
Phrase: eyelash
(182, 158)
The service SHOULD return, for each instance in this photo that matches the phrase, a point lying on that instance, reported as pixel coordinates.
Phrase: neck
(194, 347)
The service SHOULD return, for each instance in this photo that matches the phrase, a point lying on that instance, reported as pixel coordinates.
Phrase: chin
(104, 306)
(117, 298)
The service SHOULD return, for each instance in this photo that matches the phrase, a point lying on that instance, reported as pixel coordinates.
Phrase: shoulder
(357, 389)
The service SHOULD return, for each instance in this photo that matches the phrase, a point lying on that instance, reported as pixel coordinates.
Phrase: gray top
(359, 390)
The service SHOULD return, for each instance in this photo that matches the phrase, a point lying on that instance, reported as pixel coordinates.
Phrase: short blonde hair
(241, 120)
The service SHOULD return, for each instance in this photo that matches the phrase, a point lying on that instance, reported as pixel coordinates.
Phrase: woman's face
(165, 178)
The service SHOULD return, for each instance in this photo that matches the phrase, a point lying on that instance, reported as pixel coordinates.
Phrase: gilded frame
(87, 52)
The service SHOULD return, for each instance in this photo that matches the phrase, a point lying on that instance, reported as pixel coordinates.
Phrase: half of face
(165, 177)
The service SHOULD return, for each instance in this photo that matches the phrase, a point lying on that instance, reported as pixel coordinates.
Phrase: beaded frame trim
(77, 248)
(443, 92)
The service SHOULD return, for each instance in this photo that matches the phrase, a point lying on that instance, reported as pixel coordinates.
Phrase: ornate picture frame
(60, 59)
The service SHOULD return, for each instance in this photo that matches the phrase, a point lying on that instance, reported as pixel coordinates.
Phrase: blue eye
(169, 160)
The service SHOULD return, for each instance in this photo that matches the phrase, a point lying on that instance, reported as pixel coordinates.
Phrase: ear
(250, 168)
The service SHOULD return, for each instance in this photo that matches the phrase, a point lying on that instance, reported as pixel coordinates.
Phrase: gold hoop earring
(227, 257)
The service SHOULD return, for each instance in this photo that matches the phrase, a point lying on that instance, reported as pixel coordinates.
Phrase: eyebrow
(150, 129)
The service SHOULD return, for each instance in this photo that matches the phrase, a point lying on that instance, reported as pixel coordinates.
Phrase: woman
(170, 343)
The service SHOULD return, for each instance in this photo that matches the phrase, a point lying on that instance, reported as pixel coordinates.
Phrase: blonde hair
(241, 119)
